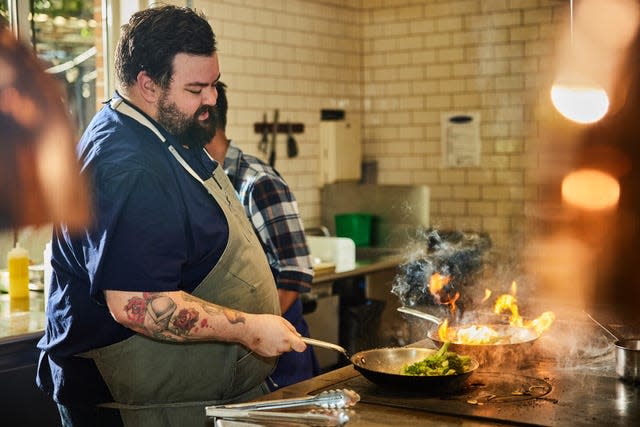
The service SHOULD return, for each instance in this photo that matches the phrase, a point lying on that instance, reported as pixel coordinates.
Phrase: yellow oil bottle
(18, 265)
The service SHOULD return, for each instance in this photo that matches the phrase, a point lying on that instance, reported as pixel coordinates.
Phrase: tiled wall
(397, 65)
(297, 56)
(422, 58)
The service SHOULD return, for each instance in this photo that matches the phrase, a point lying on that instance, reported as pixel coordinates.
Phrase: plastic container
(18, 266)
(356, 226)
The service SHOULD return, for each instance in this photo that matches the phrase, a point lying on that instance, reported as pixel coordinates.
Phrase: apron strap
(121, 106)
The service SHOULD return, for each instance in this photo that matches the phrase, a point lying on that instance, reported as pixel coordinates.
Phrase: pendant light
(591, 189)
(576, 98)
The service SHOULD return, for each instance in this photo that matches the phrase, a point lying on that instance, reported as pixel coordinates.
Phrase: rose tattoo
(136, 309)
(185, 320)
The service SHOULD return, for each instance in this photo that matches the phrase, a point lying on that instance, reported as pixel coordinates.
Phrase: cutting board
(324, 268)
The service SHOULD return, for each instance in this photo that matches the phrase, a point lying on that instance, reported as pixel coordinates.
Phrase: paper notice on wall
(460, 139)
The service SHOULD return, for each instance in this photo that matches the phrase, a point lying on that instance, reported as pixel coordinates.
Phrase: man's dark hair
(154, 36)
(221, 106)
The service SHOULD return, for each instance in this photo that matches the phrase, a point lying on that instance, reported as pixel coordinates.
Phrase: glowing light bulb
(582, 104)
(591, 189)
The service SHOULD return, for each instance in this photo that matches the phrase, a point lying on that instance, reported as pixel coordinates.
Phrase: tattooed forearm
(177, 316)
(157, 315)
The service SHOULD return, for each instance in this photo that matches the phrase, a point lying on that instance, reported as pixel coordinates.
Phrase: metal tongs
(336, 418)
(331, 399)
(260, 411)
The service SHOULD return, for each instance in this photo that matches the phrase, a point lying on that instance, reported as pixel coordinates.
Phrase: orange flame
(542, 322)
(508, 302)
(452, 301)
(437, 282)
(487, 295)
(483, 334)
(443, 331)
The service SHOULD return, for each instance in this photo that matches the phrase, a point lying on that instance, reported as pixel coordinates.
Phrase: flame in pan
(484, 334)
(474, 334)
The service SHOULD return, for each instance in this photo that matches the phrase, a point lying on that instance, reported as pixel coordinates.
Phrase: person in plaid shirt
(273, 211)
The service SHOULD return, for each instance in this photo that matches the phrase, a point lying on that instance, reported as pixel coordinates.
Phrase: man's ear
(149, 90)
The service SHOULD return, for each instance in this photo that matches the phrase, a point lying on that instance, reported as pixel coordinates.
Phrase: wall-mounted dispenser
(340, 151)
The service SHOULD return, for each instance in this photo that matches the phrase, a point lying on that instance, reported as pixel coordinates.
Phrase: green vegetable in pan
(442, 362)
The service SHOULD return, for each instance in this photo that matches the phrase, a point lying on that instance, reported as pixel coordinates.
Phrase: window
(64, 36)
(4, 9)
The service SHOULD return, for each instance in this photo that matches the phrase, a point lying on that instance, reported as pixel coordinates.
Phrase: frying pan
(382, 366)
(518, 343)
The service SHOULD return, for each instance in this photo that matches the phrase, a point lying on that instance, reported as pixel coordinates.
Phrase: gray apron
(156, 383)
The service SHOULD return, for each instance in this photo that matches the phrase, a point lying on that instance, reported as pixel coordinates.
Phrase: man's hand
(269, 335)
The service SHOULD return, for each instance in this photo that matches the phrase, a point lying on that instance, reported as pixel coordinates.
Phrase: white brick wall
(396, 65)
(481, 56)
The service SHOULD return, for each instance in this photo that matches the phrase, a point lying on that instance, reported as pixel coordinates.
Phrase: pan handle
(420, 314)
(607, 330)
(325, 344)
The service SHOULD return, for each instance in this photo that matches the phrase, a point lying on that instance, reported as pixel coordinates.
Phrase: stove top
(565, 378)
(531, 397)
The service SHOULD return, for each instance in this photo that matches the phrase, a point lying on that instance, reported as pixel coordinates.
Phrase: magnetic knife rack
(282, 127)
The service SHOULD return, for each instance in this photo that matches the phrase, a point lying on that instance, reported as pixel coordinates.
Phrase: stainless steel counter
(364, 266)
(551, 386)
(575, 398)
(372, 413)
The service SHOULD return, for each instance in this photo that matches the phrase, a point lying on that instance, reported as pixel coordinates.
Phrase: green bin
(356, 226)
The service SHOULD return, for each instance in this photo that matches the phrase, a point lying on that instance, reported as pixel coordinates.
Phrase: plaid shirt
(273, 211)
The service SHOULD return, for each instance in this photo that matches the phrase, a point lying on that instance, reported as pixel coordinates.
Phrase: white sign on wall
(460, 139)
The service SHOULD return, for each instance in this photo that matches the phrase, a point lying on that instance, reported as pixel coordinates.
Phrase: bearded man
(165, 303)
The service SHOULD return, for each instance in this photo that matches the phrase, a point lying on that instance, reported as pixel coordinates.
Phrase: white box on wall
(340, 151)
(461, 145)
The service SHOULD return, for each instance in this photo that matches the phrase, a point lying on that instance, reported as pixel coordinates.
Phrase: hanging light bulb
(582, 102)
(590, 77)
(591, 189)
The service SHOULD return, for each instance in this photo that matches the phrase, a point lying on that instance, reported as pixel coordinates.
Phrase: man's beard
(189, 131)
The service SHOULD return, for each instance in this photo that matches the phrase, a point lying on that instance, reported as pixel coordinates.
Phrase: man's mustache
(206, 108)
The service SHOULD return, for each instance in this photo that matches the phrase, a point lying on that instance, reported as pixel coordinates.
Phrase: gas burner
(482, 388)
(501, 387)
(502, 396)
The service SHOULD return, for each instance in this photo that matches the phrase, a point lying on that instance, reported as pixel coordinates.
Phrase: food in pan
(442, 362)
